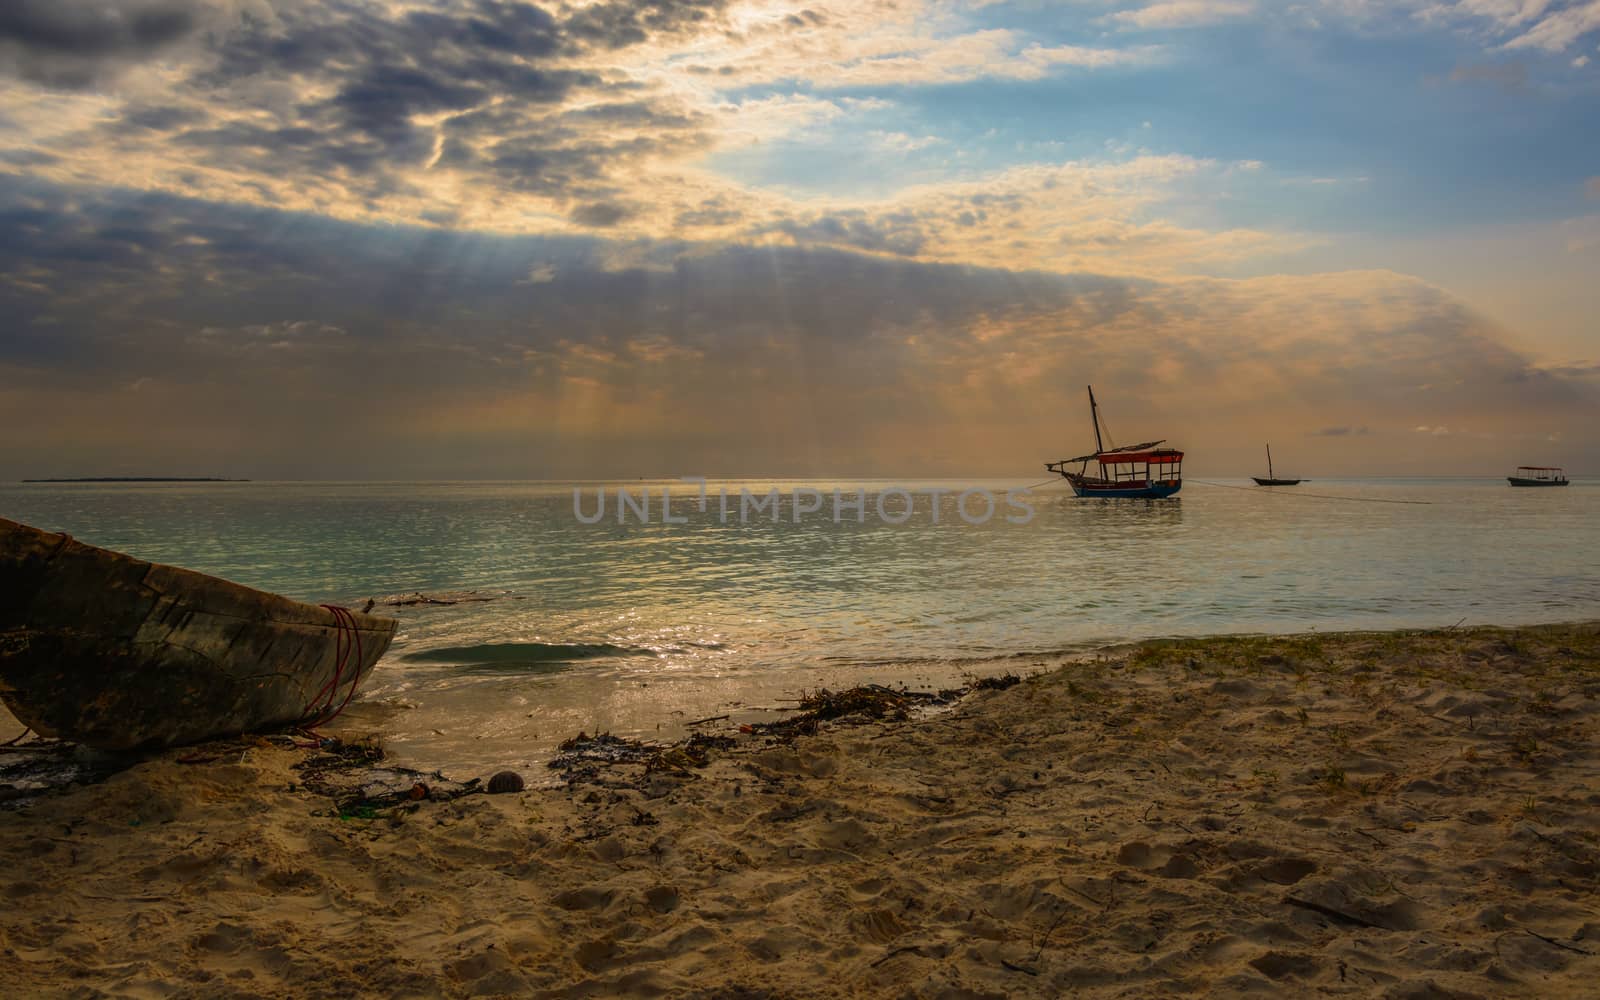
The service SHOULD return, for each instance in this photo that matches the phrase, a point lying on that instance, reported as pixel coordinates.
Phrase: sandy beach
(1394, 815)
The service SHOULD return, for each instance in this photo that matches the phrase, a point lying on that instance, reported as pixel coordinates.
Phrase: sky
(464, 239)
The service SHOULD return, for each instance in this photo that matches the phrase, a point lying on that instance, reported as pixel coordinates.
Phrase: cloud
(78, 43)
(1569, 370)
(490, 114)
(412, 351)
(364, 109)
(1102, 216)
(600, 215)
(866, 43)
(1547, 25)
(1582, 234)
(1508, 76)
(1341, 432)
(518, 223)
(615, 24)
(1592, 187)
(1183, 13)
(855, 230)
(1558, 29)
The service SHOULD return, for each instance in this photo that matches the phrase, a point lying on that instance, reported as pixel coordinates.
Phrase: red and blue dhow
(1140, 471)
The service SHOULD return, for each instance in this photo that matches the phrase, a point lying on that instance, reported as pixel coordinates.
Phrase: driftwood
(413, 599)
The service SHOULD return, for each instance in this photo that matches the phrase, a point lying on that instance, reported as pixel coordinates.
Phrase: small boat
(117, 653)
(1136, 471)
(1269, 480)
(1538, 475)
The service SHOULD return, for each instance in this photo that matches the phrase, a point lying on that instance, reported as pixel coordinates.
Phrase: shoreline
(1374, 814)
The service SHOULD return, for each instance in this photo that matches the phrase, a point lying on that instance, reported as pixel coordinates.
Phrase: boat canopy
(1538, 468)
(1129, 453)
(1161, 456)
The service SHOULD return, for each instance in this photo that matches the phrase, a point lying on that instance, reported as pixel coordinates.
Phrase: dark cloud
(490, 37)
(157, 118)
(348, 95)
(806, 19)
(478, 62)
(442, 353)
(383, 98)
(1573, 370)
(600, 215)
(896, 233)
(27, 157)
(171, 267)
(75, 43)
(620, 23)
(521, 29)
(1340, 431)
(567, 154)
(710, 212)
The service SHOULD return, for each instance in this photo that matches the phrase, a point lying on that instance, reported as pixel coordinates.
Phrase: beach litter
(353, 775)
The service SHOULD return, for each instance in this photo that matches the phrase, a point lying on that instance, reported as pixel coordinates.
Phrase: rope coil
(347, 641)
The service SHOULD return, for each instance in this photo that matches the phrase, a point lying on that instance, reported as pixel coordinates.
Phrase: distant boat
(1269, 480)
(1538, 475)
(117, 653)
(1134, 472)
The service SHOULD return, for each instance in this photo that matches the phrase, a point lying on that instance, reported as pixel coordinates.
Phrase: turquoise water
(640, 628)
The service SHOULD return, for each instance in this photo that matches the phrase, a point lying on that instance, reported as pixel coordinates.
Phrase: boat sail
(1269, 480)
(1136, 471)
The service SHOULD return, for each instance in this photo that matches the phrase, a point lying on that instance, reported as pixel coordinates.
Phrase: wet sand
(1393, 815)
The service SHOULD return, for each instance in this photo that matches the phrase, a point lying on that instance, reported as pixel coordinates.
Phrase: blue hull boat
(1156, 491)
(1137, 472)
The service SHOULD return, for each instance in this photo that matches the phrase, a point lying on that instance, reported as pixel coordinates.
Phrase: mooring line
(1308, 496)
(1047, 482)
(1256, 489)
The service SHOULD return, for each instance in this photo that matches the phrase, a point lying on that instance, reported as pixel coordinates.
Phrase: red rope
(18, 738)
(346, 642)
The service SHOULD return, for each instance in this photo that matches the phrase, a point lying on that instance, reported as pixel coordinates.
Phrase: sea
(522, 624)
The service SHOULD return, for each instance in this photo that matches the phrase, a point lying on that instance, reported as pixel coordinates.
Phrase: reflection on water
(622, 625)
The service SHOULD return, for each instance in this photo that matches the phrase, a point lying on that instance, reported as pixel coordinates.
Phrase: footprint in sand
(588, 898)
(1286, 871)
(1287, 965)
(662, 898)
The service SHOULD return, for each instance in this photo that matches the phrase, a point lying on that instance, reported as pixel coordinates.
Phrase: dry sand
(1370, 815)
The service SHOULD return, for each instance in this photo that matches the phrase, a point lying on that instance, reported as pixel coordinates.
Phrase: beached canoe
(118, 653)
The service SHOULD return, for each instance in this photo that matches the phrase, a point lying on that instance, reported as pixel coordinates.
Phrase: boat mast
(1269, 461)
(1094, 415)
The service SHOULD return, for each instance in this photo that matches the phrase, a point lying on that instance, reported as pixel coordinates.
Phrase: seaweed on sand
(586, 759)
(32, 767)
(583, 756)
(996, 683)
(869, 701)
(350, 774)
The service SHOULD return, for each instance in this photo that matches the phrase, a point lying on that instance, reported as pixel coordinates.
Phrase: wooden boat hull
(118, 653)
(1519, 481)
(1263, 481)
(1124, 491)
